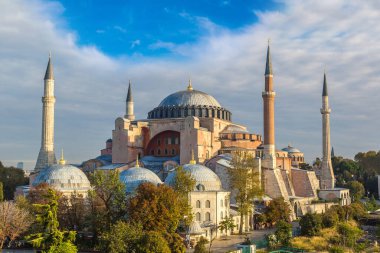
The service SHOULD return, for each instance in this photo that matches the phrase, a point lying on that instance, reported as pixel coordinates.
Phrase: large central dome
(189, 98)
(189, 102)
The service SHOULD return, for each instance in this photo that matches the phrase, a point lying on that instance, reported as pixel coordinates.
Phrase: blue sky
(135, 27)
(158, 45)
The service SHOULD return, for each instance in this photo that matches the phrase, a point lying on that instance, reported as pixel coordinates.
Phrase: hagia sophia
(190, 128)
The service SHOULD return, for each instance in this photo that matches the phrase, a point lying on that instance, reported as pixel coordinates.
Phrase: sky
(158, 45)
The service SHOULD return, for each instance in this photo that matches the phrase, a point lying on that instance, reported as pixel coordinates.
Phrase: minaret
(46, 156)
(327, 179)
(129, 109)
(269, 156)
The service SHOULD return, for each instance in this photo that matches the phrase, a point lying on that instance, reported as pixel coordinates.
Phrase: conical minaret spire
(269, 156)
(324, 91)
(268, 65)
(46, 156)
(129, 114)
(327, 178)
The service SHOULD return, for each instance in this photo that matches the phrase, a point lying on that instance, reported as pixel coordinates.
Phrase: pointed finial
(129, 94)
(49, 70)
(268, 65)
(62, 160)
(190, 86)
(192, 161)
(137, 162)
(324, 92)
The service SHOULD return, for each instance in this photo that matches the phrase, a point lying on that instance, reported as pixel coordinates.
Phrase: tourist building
(209, 202)
(64, 178)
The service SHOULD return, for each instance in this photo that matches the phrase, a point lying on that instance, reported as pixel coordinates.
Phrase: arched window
(166, 151)
(221, 204)
(158, 152)
(208, 217)
(207, 203)
(173, 151)
(221, 215)
(198, 204)
(198, 216)
(200, 187)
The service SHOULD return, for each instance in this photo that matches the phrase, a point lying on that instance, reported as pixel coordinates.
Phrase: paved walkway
(223, 245)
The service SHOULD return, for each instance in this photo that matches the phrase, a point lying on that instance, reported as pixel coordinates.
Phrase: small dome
(63, 177)
(189, 98)
(195, 228)
(234, 129)
(206, 179)
(135, 176)
(291, 149)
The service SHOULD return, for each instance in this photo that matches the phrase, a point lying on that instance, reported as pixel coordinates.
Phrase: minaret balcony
(269, 94)
(325, 110)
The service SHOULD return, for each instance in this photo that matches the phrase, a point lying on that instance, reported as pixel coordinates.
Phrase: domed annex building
(65, 178)
(210, 203)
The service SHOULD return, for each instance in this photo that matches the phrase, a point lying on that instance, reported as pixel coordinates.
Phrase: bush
(283, 233)
(311, 224)
(201, 246)
(336, 249)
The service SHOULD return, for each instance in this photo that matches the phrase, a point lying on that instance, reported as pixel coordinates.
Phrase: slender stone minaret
(46, 155)
(129, 110)
(269, 156)
(327, 180)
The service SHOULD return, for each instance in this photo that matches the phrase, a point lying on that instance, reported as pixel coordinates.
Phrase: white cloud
(91, 86)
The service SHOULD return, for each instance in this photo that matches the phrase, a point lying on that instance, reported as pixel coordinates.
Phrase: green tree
(11, 178)
(283, 233)
(244, 178)
(107, 202)
(356, 190)
(153, 242)
(201, 245)
(330, 218)
(184, 183)
(51, 239)
(1, 192)
(277, 210)
(311, 224)
(123, 237)
(226, 224)
(349, 234)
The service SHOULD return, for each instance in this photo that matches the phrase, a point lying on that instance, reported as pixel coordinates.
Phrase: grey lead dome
(135, 176)
(63, 177)
(189, 102)
(202, 175)
(189, 98)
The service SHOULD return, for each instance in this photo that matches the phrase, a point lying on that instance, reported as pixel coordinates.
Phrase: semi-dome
(63, 177)
(234, 129)
(291, 149)
(189, 102)
(205, 179)
(135, 176)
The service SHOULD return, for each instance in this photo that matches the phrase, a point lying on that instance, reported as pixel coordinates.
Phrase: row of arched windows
(199, 204)
(183, 112)
(165, 152)
(207, 217)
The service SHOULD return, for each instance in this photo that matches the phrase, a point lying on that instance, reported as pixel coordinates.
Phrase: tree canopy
(11, 177)
(244, 178)
(51, 239)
